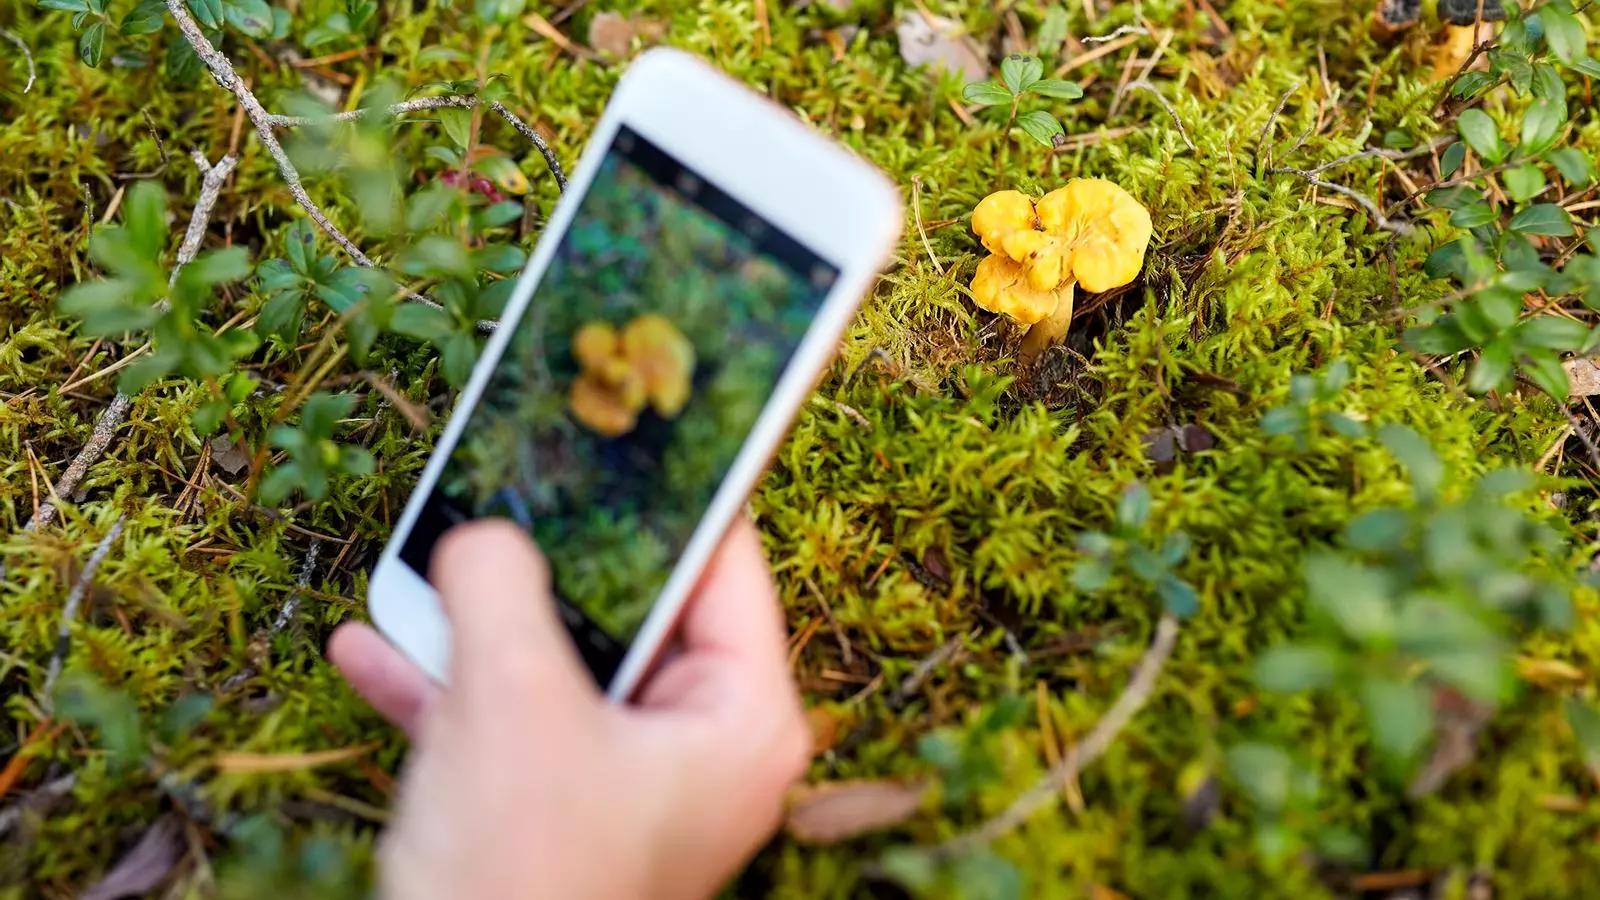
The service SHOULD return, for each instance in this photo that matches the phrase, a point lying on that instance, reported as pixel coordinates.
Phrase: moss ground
(930, 489)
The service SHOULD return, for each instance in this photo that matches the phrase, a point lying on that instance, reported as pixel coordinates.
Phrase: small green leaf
(1482, 135)
(500, 214)
(1018, 72)
(1552, 332)
(322, 412)
(1041, 126)
(1377, 530)
(1282, 420)
(1470, 84)
(332, 29)
(1177, 597)
(1574, 165)
(430, 55)
(219, 266)
(207, 12)
(910, 868)
(1584, 720)
(1492, 368)
(1133, 508)
(147, 18)
(208, 416)
(181, 64)
(1588, 66)
(499, 258)
(457, 124)
(983, 875)
(1175, 548)
(1442, 338)
(1524, 182)
(1056, 88)
(1091, 575)
(1474, 216)
(91, 44)
(1265, 772)
(1344, 426)
(65, 5)
(1398, 139)
(458, 352)
(1355, 596)
(499, 12)
(1450, 162)
(182, 716)
(1541, 125)
(251, 17)
(1564, 34)
(1544, 369)
(986, 93)
(1399, 713)
(1413, 452)
(419, 322)
(83, 699)
(1544, 219)
(1293, 669)
(436, 255)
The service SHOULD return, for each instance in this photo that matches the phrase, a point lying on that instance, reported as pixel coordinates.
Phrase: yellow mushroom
(649, 363)
(1090, 232)
(1463, 30)
(663, 359)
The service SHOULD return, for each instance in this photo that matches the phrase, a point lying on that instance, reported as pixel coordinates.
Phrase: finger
(495, 587)
(381, 674)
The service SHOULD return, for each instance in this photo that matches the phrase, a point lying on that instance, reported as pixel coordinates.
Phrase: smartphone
(687, 292)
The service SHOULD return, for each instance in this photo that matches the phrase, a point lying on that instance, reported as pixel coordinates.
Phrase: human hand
(524, 781)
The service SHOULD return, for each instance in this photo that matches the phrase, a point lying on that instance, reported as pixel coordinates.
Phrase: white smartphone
(691, 285)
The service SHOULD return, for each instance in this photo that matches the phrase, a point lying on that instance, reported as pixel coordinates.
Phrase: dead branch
(43, 795)
(212, 178)
(1144, 84)
(1124, 30)
(455, 101)
(26, 55)
(1378, 218)
(1438, 143)
(1048, 788)
(1266, 130)
(302, 581)
(75, 600)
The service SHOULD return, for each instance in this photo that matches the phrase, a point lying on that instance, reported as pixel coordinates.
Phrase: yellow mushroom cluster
(648, 363)
(1090, 232)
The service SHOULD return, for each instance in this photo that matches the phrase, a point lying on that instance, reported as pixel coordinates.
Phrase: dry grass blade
(259, 763)
(74, 601)
(27, 55)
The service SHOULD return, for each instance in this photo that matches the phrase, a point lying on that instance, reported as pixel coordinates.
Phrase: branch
(455, 101)
(75, 600)
(1437, 143)
(1145, 85)
(45, 793)
(1126, 29)
(26, 54)
(1378, 218)
(212, 178)
(302, 581)
(1266, 130)
(1048, 788)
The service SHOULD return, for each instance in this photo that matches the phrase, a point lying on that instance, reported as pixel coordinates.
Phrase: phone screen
(647, 353)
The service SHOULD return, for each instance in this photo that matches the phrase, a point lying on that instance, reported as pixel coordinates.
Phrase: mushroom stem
(1049, 331)
(1452, 52)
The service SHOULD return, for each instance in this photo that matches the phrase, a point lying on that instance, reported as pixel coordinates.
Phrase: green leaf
(1584, 720)
(983, 875)
(1265, 772)
(419, 322)
(1492, 368)
(1175, 548)
(1293, 669)
(182, 716)
(430, 206)
(1133, 508)
(1282, 420)
(252, 17)
(1587, 66)
(499, 258)
(1053, 31)
(332, 29)
(91, 44)
(986, 93)
(438, 256)
(1377, 531)
(499, 12)
(1398, 139)
(219, 266)
(181, 62)
(1019, 72)
(207, 12)
(1552, 332)
(458, 352)
(500, 214)
(910, 868)
(1344, 426)
(279, 484)
(1564, 34)
(1450, 162)
(1541, 125)
(1474, 216)
(1544, 219)
(1400, 714)
(322, 412)
(209, 416)
(1413, 452)
(1470, 84)
(148, 17)
(1543, 369)
(1177, 597)
(282, 316)
(85, 700)
(1524, 182)
(105, 308)
(65, 5)
(1091, 575)
(146, 372)
(1041, 126)
(1574, 165)
(1442, 338)
(457, 124)
(1356, 597)
(1057, 88)
(431, 55)
(1482, 135)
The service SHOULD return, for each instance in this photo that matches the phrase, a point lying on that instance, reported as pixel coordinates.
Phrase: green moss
(929, 489)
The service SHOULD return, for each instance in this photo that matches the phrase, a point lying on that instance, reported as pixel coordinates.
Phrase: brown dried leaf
(937, 42)
(1584, 376)
(826, 726)
(611, 34)
(840, 810)
(143, 867)
(229, 455)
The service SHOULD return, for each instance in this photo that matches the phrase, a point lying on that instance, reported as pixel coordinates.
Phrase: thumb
(507, 639)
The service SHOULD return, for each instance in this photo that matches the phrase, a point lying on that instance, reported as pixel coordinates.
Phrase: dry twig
(302, 581)
(1126, 29)
(75, 600)
(1378, 218)
(42, 795)
(1144, 84)
(26, 55)
(1048, 788)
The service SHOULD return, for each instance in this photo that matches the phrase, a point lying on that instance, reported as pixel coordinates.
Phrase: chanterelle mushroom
(1090, 232)
(650, 362)
(1462, 31)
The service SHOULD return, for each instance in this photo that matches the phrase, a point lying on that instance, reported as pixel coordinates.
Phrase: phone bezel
(842, 208)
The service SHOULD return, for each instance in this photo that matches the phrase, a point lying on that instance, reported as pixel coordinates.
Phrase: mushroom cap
(595, 345)
(1001, 286)
(663, 359)
(1000, 214)
(1465, 12)
(602, 409)
(1101, 232)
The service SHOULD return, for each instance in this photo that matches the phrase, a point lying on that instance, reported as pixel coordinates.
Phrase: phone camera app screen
(629, 385)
